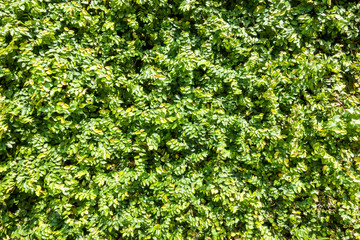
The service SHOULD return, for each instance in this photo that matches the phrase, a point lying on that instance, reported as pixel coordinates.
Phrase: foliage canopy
(179, 119)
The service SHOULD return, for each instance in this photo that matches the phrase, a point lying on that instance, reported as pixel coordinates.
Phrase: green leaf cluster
(179, 119)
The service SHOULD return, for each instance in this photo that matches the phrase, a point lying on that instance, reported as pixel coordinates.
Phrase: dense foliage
(179, 119)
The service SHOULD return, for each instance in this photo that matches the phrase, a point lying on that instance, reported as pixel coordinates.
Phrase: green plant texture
(179, 119)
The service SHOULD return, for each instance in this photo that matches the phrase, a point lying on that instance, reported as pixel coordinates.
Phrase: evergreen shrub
(179, 119)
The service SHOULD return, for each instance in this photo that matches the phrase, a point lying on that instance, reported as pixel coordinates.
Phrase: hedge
(179, 119)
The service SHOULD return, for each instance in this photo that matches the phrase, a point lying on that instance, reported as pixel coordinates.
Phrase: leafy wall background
(179, 119)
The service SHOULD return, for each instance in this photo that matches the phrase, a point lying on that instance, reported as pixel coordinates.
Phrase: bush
(179, 119)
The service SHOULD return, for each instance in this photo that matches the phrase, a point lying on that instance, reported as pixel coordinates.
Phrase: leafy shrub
(179, 119)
